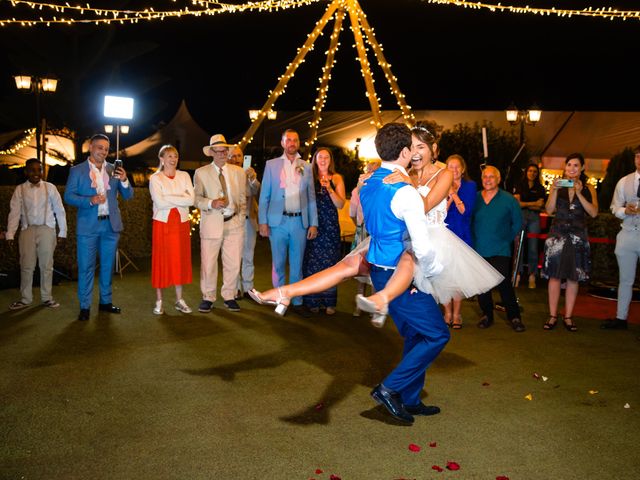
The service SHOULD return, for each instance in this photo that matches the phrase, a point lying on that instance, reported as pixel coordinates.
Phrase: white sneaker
(182, 306)
(158, 308)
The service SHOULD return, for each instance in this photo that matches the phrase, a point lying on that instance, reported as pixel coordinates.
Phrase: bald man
(496, 221)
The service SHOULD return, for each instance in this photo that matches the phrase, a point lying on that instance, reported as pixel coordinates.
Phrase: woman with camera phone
(566, 250)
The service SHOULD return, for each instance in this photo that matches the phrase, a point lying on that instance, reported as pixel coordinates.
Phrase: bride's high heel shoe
(378, 316)
(281, 308)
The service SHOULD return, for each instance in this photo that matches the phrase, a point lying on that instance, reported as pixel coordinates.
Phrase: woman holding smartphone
(567, 252)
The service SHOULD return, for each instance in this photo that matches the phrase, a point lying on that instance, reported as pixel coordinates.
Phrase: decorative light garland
(359, 25)
(601, 12)
(103, 16)
(18, 145)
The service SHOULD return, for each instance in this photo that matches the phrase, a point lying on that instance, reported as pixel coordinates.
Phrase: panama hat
(216, 141)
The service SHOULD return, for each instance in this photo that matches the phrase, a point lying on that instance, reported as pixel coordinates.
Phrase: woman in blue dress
(324, 251)
(462, 198)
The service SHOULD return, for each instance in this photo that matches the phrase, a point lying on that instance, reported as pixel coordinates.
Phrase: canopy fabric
(60, 149)
(182, 132)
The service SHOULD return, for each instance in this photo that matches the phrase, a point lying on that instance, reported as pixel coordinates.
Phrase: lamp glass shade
(272, 114)
(534, 115)
(512, 115)
(49, 84)
(23, 82)
(108, 128)
(118, 107)
(253, 114)
(124, 129)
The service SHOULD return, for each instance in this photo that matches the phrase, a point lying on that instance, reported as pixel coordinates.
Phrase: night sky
(445, 57)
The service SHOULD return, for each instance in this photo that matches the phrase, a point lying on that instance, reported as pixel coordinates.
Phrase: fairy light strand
(68, 14)
(598, 12)
(324, 80)
(21, 143)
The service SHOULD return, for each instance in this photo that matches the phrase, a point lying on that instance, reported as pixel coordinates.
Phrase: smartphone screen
(116, 164)
(246, 162)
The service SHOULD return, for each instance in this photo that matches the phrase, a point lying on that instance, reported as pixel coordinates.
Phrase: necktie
(638, 192)
(223, 185)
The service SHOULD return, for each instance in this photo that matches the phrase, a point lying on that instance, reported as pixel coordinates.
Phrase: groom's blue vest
(386, 230)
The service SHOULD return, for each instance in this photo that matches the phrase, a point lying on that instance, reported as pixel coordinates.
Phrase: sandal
(18, 305)
(281, 306)
(457, 322)
(570, 326)
(551, 325)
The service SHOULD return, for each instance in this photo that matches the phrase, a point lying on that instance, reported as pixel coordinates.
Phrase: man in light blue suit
(93, 187)
(287, 212)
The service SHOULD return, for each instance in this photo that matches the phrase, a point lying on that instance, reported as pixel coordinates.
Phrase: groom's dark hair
(391, 139)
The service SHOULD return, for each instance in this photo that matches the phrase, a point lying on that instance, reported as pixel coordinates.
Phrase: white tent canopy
(182, 132)
(22, 147)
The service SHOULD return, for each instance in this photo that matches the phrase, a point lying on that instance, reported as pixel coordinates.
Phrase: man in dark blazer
(93, 187)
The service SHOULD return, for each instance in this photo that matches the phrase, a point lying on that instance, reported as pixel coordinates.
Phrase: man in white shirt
(220, 190)
(245, 283)
(36, 206)
(625, 205)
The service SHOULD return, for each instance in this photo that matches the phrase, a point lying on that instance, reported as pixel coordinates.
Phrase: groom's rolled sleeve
(407, 205)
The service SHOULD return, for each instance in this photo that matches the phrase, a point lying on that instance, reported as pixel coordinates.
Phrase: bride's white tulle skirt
(464, 273)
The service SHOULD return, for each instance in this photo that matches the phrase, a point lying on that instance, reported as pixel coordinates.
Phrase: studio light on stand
(119, 108)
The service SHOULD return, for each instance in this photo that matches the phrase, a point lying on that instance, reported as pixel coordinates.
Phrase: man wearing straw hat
(220, 190)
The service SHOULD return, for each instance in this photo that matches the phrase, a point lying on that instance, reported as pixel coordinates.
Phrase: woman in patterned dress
(566, 250)
(324, 251)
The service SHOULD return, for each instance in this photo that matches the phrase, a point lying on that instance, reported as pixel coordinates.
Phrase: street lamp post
(523, 117)
(37, 85)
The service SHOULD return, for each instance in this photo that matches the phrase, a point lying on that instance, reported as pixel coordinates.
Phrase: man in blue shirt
(496, 221)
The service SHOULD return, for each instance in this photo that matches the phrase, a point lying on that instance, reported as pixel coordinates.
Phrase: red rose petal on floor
(414, 448)
(437, 468)
(433, 444)
(502, 477)
(320, 406)
(536, 376)
(485, 384)
(319, 471)
(453, 466)
(334, 477)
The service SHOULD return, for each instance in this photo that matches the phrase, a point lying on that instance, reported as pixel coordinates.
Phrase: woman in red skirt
(172, 195)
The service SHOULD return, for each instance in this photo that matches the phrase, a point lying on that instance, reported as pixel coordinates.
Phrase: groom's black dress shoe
(83, 316)
(392, 402)
(109, 308)
(422, 409)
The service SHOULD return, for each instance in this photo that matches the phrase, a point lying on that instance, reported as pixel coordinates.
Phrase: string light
(408, 115)
(324, 80)
(21, 143)
(358, 25)
(102, 16)
(599, 12)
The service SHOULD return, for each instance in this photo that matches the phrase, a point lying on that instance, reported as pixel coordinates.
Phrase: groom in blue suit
(287, 212)
(391, 211)
(93, 187)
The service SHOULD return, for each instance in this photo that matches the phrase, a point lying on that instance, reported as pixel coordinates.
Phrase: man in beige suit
(245, 283)
(220, 190)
